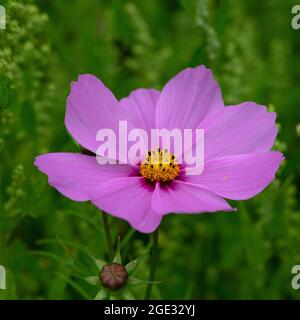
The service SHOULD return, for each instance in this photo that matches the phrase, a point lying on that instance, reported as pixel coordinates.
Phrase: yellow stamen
(159, 166)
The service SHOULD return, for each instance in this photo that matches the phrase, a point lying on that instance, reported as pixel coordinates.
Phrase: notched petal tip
(83, 77)
(149, 224)
(35, 161)
(194, 88)
(38, 160)
(91, 106)
(279, 155)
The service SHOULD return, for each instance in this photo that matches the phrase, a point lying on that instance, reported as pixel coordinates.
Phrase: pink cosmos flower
(238, 139)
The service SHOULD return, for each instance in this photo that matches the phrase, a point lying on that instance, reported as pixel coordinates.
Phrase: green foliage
(255, 55)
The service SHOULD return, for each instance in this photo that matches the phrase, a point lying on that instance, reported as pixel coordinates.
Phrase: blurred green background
(254, 54)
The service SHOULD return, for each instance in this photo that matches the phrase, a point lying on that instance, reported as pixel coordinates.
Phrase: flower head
(159, 166)
(238, 163)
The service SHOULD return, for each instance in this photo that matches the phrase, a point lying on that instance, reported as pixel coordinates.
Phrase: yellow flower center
(159, 166)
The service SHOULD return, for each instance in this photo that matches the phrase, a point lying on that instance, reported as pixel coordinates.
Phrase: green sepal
(99, 263)
(93, 280)
(117, 258)
(132, 281)
(127, 295)
(101, 295)
(132, 265)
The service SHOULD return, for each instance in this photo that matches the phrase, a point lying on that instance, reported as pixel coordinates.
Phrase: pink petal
(239, 177)
(187, 98)
(182, 197)
(149, 223)
(128, 199)
(74, 175)
(140, 108)
(90, 107)
(240, 129)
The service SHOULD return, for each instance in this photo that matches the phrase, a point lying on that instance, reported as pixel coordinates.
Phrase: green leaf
(79, 266)
(52, 256)
(75, 286)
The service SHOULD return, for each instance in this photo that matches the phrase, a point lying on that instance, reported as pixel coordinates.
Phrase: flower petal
(74, 175)
(90, 107)
(245, 128)
(182, 197)
(187, 98)
(140, 108)
(149, 223)
(128, 199)
(239, 177)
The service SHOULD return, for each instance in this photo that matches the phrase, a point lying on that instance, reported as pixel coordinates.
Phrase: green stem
(153, 264)
(109, 241)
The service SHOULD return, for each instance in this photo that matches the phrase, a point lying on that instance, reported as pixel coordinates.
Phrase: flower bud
(113, 276)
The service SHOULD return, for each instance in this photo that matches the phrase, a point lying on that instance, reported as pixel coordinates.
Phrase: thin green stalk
(152, 264)
(110, 247)
(109, 241)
